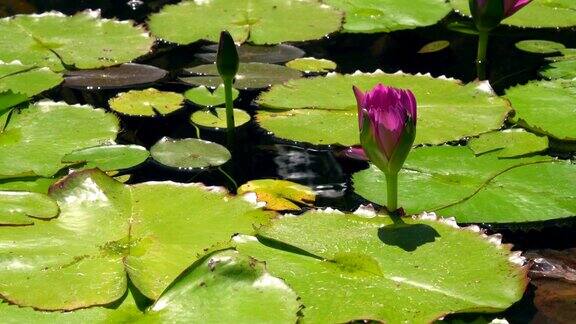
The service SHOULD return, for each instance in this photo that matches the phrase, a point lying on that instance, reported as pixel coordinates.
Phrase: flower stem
(229, 112)
(392, 191)
(481, 59)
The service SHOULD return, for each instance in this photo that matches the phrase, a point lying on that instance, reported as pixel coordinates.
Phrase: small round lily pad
(108, 157)
(202, 96)
(147, 103)
(129, 75)
(257, 53)
(216, 118)
(310, 64)
(251, 76)
(189, 153)
(538, 46)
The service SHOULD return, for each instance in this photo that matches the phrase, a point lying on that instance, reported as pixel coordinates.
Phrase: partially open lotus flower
(387, 121)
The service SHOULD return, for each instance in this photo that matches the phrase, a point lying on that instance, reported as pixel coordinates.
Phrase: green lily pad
(254, 21)
(563, 69)
(202, 96)
(87, 42)
(226, 288)
(106, 230)
(125, 312)
(509, 143)
(26, 79)
(108, 157)
(123, 76)
(434, 47)
(37, 138)
(189, 153)
(546, 107)
(280, 195)
(354, 268)
(324, 108)
(310, 64)
(250, 76)
(374, 16)
(485, 189)
(17, 206)
(147, 103)
(538, 14)
(9, 99)
(29, 184)
(216, 118)
(538, 46)
(257, 53)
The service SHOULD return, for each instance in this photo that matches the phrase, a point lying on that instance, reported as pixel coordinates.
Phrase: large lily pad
(152, 231)
(454, 182)
(353, 268)
(9, 99)
(87, 42)
(37, 138)
(546, 107)
(373, 16)
(226, 288)
(562, 69)
(26, 79)
(250, 76)
(322, 110)
(538, 14)
(254, 21)
(189, 153)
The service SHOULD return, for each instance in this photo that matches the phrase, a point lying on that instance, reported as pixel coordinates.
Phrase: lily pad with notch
(87, 42)
(509, 143)
(454, 182)
(356, 269)
(202, 96)
(147, 103)
(9, 99)
(189, 153)
(322, 110)
(216, 118)
(27, 79)
(546, 107)
(108, 231)
(108, 157)
(254, 21)
(247, 53)
(250, 76)
(128, 75)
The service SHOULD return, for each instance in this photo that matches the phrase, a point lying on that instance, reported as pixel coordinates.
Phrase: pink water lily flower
(512, 6)
(387, 121)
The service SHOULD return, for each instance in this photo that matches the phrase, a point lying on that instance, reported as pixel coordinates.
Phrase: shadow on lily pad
(408, 237)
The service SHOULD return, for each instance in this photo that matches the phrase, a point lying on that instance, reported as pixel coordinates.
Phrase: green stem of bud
(230, 125)
(481, 60)
(392, 191)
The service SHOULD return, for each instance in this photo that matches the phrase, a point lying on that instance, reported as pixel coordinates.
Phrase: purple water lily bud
(387, 121)
(512, 6)
(488, 14)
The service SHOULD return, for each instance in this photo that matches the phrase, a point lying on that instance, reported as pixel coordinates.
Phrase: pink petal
(356, 153)
(360, 100)
(512, 6)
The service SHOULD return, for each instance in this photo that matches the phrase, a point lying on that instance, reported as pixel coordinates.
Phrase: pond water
(261, 155)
